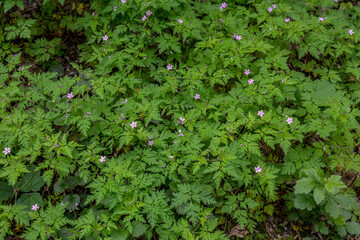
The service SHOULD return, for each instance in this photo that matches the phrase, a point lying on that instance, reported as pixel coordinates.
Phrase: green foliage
(178, 119)
(321, 195)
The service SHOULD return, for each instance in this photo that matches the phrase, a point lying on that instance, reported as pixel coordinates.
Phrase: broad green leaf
(332, 208)
(304, 201)
(32, 181)
(353, 228)
(30, 199)
(304, 185)
(319, 194)
(6, 191)
(138, 229)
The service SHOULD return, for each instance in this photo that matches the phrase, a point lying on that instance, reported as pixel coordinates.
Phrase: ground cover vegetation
(181, 119)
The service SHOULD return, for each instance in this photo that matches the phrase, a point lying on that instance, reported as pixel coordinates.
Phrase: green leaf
(304, 185)
(346, 201)
(333, 184)
(6, 191)
(332, 208)
(340, 230)
(29, 200)
(73, 200)
(319, 194)
(304, 201)
(353, 228)
(321, 227)
(31, 181)
(119, 234)
(138, 229)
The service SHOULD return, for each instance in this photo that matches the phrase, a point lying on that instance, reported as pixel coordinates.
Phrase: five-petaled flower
(351, 32)
(70, 95)
(105, 38)
(289, 120)
(274, 6)
(321, 19)
(197, 96)
(287, 20)
(133, 124)
(258, 169)
(144, 18)
(238, 37)
(260, 113)
(223, 5)
(171, 157)
(35, 207)
(151, 142)
(7, 151)
(182, 120)
(102, 159)
(179, 20)
(270, 9)
(247, 71)
(251, 81)
(169, 66)
(148, 13)
(123, 1)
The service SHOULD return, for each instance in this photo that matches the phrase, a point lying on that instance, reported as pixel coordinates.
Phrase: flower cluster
(181, 121)
(270, 9)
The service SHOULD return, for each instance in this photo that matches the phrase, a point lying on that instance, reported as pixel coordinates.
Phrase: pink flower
(169, 66)
(258, 169)
(251, 81)
(321, 19)
(179, 20)
(7, 151)
(123, 1)
(171, 157)
(148, 13)
(351, 32)
(144, 18)
(21, 68)
(88, 113)
(197, 96)
(35, 207)
(105, 38)
(270, 9)
(102, 159)
(133, 124)
(260, 113)
(274, 6)
(182, 120)
(182, 135)
(336, 0)
(223, 5)
(70, 95)
(289, 120)
(238, 37)
(115, 8)
(234, 36)
(287, 20)
(247, 71)
(151, 142)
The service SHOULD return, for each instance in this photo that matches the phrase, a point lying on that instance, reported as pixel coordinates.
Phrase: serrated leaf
(32, 181)
(353, 228)
(332, 208)
(304, 201)
(319, 194)
(29, 200)
(138, 229)
(304, 185)
(73, 200)
(6, 191)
